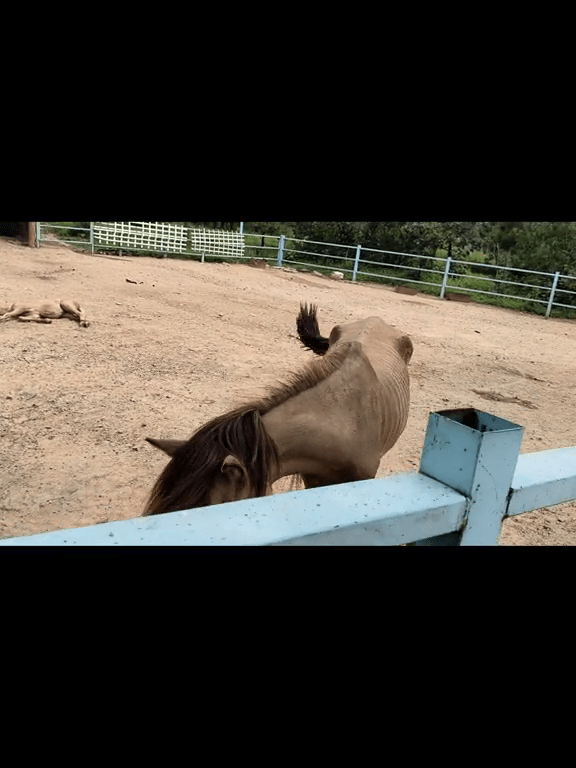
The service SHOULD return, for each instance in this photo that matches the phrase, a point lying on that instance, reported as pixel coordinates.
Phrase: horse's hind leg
(24, 313)
(72, 308)
(14, 311)
(33, 317)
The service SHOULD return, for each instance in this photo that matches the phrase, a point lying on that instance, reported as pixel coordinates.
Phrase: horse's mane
(186, 479)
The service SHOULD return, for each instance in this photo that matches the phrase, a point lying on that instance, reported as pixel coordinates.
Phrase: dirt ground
(186, 341)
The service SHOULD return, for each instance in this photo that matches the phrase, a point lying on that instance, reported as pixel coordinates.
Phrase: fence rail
(141, 235)
(41, 235)
(347, 258)
(154, 237)
(471, 479)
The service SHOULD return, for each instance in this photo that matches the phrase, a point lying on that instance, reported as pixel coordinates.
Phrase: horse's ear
(168, 446)
(405, 347)
(233, 466)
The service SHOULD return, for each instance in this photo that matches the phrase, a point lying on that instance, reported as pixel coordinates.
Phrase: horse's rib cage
(155, 236)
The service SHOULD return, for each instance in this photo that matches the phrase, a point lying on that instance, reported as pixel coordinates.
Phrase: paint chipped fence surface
(471, 478)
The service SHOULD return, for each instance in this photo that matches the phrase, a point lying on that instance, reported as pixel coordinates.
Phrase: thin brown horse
(331, 423)
(46, 311)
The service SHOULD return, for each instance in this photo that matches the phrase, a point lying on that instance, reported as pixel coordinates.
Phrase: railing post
(475, 453)
(32, 242)
(552, 292)
(445, 278)
(281, 249)
(356, 261)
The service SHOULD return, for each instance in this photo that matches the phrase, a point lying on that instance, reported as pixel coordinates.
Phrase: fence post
(241, 227)
(281, 249)
(445, 278)
(356, 261)
(476, 454)
(92, 236)
(552, 292)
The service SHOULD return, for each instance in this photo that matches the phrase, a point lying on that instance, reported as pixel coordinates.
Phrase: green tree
(546, 246)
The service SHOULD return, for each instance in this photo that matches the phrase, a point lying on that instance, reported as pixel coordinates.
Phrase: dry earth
(186, 341)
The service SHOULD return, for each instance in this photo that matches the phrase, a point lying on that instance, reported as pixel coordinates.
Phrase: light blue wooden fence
(471, 478)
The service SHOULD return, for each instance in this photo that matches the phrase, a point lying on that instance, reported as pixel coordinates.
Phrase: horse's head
(202, 471)
(231, 483)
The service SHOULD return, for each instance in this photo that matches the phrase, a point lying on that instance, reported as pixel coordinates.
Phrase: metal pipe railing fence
(390, 265)
(564, 290)
(325, 255)
(43, 229)
(408, 267)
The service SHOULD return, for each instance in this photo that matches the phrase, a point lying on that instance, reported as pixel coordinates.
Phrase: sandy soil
(186, 341)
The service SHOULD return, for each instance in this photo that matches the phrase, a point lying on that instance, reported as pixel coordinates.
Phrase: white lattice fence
(141, 236)
(217, 242)
(168, 238)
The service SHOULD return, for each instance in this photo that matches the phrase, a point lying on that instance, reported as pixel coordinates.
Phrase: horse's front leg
(335, 478)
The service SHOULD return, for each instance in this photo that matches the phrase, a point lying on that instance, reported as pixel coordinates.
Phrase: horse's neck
(287, 426)
(303, 429)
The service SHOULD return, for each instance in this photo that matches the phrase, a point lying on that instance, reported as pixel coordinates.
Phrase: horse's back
(374, 376)
(375, 336)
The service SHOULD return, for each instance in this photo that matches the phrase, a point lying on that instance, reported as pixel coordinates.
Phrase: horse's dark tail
(308, 330)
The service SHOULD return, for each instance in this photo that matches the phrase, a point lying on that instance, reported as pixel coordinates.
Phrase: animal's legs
(24, 313)
(313, 481)
(344, 476)
(34, 317)
(14, 311)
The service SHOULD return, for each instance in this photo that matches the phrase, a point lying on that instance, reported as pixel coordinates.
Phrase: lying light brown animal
(46, 311)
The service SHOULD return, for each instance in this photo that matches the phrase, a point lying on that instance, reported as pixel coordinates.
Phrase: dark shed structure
(23, 230)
